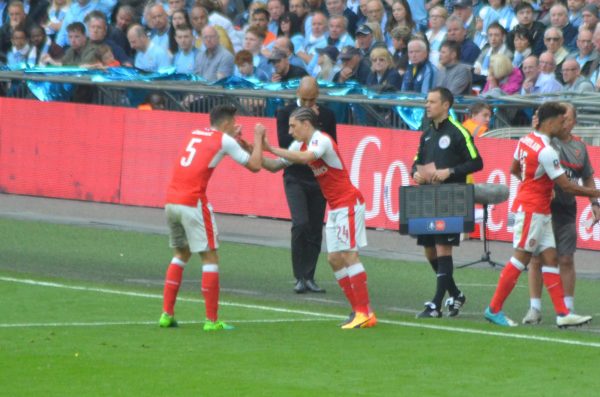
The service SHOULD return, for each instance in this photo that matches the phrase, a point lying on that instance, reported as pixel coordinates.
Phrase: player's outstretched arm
(273, 165)
(569, 187)
(255, 162)
(294, 156)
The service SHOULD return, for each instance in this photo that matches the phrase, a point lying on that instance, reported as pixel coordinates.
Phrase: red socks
(554, 286)
(172, 283)
(358, 280)
(508, 279)
(210, 290)
(344, 282)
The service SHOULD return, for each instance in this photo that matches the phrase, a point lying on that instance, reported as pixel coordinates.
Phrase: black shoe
(454, 304)
(430, 311)
(312, 286)
(300, 286)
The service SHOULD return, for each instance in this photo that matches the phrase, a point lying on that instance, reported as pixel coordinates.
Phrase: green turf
(260, 358)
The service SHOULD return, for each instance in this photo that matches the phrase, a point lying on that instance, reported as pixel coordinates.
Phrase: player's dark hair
(221, 113)
(445, 94)
(549, 110)
(305, 114)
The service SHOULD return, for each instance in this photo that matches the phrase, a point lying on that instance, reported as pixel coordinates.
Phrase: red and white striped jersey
(195, 164)
(329, 171)
(540, 165)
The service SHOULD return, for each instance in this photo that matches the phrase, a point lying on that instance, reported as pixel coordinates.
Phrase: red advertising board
(125, 156)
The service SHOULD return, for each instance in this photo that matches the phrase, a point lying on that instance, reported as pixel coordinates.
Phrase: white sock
(536, 303)
(570, 302)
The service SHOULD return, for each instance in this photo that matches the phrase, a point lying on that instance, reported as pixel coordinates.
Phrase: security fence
(399, 110)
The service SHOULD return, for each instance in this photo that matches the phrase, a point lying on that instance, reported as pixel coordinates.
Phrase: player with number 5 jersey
(345, 229)
(190, 218)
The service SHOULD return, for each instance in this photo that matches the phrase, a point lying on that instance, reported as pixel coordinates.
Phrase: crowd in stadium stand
(493, 48)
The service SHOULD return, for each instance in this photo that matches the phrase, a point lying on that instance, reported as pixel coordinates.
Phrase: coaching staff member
(447, 144)
(304, 197)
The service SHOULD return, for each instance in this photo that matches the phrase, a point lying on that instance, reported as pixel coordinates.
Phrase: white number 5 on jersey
(187, 160)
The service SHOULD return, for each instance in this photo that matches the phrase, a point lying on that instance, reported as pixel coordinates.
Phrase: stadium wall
(124, 156)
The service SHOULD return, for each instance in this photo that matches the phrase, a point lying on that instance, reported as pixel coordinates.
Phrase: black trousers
(307, 208)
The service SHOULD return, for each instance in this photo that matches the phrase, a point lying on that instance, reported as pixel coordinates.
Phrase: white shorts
(533, 232)
(345, 229)
(192, 226)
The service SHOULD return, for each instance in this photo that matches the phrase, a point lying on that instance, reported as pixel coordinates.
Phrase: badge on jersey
(556, 164)
(444, 142)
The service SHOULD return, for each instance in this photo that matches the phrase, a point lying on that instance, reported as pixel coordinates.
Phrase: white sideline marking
(112, 323)
(311, 314)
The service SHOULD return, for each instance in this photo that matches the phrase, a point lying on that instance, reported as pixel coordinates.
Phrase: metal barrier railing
(351, 109)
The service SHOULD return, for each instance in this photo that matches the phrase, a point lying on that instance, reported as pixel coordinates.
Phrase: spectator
(478, 123)
(376, 14)
(290, 26)
(199, 20)
(421, 74)
(543, 11)
(17, 19)
(437, 32)
(464, 10)
(522, 45)
(585, 55)
(574, 81)
(400, 37)
(148, 56)
(106, 57)
(253, 42)
(495, 45)
(575, 12)
(383, 77)
(354, 67)
(537, 82)
(338, 34)
(56, 14)
(159, 20)
(338, 8)
(185, 58)
(301, 9)
(245, 69)
(76, 13)
(217, 20)
(559, 18)
(401, 16)
(525, 17)
(453, 75)
(213, 62)
(496, 11)
(283, 70)
(553, 39)
(178, 18)
(589, 15)
(174, 6)
(17, 54)
(327, 63)
(41, 47)
(80, 51)
(285, 44)
(276, 9)
(125, 16)
(97, 28)
(503, 77)
(365, 40)
(457, 32)
(317, 39)
(260, 17)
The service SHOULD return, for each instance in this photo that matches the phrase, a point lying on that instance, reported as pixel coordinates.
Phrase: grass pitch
(80, 308)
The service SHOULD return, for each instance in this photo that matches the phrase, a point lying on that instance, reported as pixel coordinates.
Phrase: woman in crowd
(326, 64)
(436, 33)
(522, 42)
(401, 16)
(384, 76)
(178, 19)
(503, 77)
